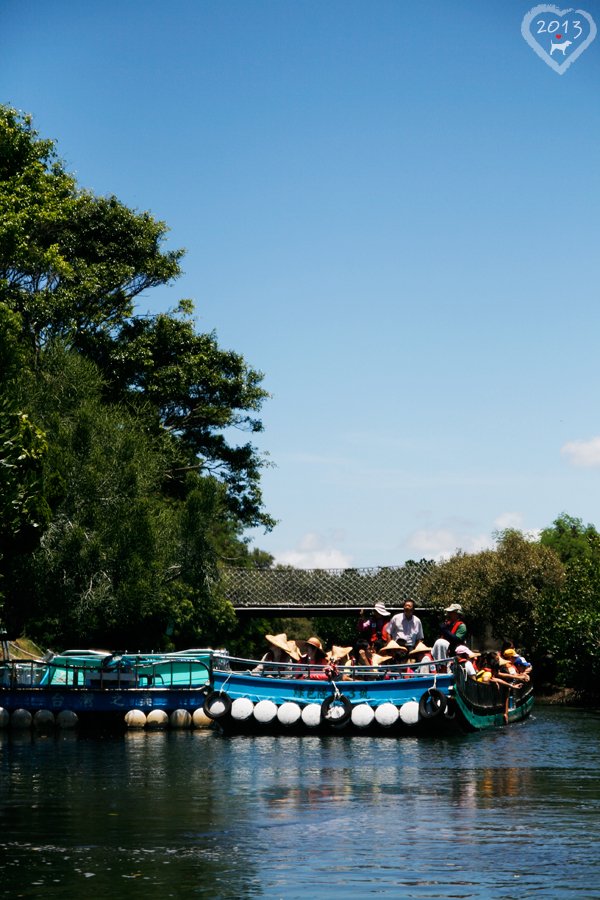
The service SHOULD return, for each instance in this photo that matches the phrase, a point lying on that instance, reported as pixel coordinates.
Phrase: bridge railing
(283, 588)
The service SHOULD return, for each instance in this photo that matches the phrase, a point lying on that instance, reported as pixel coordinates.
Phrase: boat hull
(396, 705)
(482, 706)
(101, 706)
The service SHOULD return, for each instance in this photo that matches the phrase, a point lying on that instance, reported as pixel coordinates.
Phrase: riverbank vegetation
(544, 594)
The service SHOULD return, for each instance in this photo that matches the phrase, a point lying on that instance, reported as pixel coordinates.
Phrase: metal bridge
(295, 592)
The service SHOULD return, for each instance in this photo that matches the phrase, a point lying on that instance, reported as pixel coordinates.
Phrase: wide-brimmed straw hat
(314, 642)
(392, 645)
(281, 642)
(377, 660)
(419, 647)
(337, 653)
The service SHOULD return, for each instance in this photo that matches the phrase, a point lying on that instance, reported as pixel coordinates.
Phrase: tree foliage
(499, 589)
(117, 429)
(569, 619)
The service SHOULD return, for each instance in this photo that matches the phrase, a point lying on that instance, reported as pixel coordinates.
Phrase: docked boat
(252, 697)
(103, 688)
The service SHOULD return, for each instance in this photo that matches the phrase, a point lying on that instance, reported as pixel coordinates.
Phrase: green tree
(569, 619)
(23, 446)
(117, 457)
(572, 540)
(500, 589)
(73, 265)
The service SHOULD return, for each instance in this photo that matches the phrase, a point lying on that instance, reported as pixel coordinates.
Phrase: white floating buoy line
(335, 711)
(41, 720)
(44, 720)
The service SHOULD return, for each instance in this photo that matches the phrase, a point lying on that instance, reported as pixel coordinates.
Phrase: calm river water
(513, 813)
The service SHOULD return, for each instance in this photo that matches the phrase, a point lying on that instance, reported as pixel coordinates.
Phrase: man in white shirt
(406, 628)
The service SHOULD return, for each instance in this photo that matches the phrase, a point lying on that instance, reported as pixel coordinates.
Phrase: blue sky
(392, 210)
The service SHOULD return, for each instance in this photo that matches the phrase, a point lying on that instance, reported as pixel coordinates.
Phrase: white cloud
(441, 543)
(314, 552)
(508, 520)
(585, 454)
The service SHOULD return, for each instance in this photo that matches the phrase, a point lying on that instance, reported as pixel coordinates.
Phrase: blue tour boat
(247, 696)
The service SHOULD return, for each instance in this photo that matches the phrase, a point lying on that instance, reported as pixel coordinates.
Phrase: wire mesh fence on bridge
(327, 589)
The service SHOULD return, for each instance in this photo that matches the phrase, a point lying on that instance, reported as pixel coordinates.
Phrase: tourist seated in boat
(484, 669)
(405, 627)
(399, 656)
(375, 626)
(281, 650)
(364, 653)
(520, 664)
(453, 633)
(467, 659)
(508, 668)
(421, 658)
(343, 661)
(366, 656)
(314, 659)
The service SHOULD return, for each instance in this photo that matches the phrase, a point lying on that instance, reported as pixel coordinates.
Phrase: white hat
(380, 608)
(454, 607)
(463, 650)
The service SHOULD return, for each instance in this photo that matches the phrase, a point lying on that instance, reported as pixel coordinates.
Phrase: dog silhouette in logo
(561, 47)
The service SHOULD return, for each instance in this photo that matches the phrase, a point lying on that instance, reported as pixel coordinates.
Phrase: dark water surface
(512, 813)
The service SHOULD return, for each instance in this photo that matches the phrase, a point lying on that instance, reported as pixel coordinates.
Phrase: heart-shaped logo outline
(561, 68)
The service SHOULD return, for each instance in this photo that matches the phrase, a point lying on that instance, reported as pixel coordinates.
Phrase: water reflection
(511, 813)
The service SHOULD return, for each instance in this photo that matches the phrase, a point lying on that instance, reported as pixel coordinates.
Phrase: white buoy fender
(289, 713)
(242, 708)
(44, 718)
(21, 718)
(157, 718)
(200, 719)
(180, 718)
(265, 711)
(362, 715)
(135, 718)
(311, 715)
(67, 719)
(386, 714)
(409, 712)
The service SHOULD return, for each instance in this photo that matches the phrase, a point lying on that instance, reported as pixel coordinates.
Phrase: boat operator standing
(405, 627)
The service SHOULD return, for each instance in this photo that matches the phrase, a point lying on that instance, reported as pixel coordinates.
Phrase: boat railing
(330, 672)
(490, 695)
(21, 673)
(106, 673)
